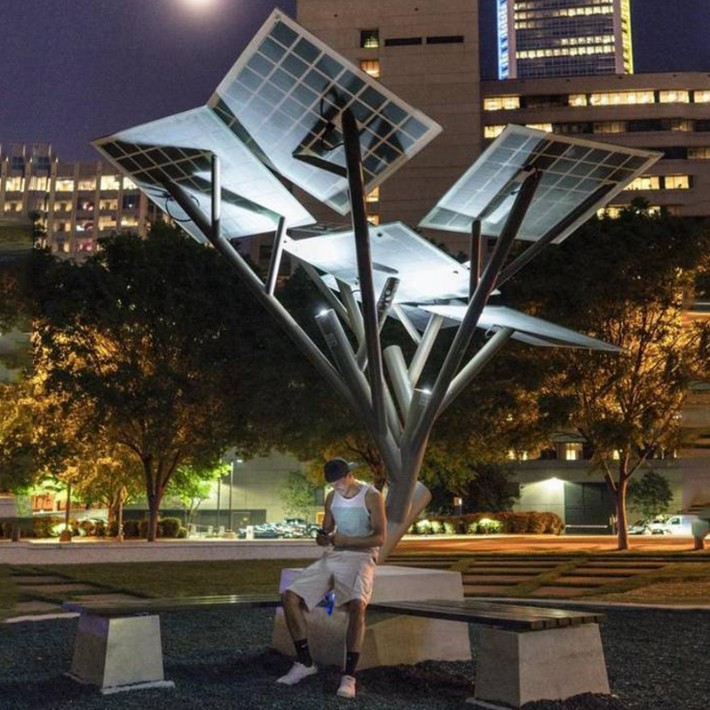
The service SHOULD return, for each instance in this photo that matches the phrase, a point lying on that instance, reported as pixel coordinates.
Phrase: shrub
(100, 528)
(45, 527)
(489, 526)
(182, 533)
(422, 527)
(169, 527)
(112, 529)
(131, 528)
(87, 527)
(437, 527)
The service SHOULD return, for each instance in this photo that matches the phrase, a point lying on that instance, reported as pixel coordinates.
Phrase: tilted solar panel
(426, 273)
(179, 149)
(579, 177)
(283, 96)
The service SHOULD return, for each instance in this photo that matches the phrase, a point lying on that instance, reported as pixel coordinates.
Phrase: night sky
(74, 70)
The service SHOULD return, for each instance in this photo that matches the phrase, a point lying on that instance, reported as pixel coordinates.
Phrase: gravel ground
(657, 660)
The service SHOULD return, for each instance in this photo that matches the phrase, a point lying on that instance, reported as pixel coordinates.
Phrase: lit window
(369, 39)
(677, 182)
(610, 127)
(110, 182)
(129, 222)
(622, 98)
(107, 223)
(373, 219)
(64, 185)
(501, 103)
(88, 184)
(493, 131)
(128, 184)
(572, 452)
(699, 153)
(577, 100)
(645, 182)
(373, 196)
(540, 126)
(371, 67)
(15, 184)
(701, 97)
(108, 205)
(39, 183)
(674, 96)
(681, 124)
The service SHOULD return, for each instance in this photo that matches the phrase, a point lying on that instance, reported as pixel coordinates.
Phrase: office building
(545, 38)
(668, 113)
(426, 52)
(74, 203)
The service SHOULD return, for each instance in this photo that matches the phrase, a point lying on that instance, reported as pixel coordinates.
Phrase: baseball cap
(335, 469)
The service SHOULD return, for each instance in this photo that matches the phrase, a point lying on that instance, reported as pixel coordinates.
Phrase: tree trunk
(153, 512)
(622, 533)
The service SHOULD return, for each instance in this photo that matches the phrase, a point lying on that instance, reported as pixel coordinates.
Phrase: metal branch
(425, 345)
(210, 228)
(476, 305)
(356, 183)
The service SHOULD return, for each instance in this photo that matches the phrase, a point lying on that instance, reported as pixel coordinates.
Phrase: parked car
(680, 524)
(263, 531)
(649, 527)
(298, 528)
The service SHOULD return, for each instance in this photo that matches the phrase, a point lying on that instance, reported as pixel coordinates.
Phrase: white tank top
(352, 518)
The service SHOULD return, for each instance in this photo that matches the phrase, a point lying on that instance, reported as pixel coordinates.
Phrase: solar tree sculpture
(291, 107)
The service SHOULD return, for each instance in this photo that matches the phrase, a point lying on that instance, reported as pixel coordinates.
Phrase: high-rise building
(546, 38)
(73, 203)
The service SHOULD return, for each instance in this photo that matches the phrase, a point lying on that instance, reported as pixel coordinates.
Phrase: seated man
(353, 530)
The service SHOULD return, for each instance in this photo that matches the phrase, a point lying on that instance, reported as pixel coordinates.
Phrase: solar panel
(426, 273)
(528, 328)
(179, 148)
(282, 99)
(577, 175)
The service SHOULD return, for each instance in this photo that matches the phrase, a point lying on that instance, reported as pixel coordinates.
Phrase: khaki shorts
(350, 573)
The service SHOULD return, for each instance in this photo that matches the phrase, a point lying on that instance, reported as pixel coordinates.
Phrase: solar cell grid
(286, 92)
(572, 171)
(179, 149)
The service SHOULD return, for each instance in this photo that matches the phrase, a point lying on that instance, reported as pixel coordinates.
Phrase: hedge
(508, 521)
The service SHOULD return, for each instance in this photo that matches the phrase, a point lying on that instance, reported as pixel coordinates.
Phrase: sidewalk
(87, 551)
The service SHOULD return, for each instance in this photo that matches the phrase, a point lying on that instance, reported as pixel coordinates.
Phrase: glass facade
(544, 38)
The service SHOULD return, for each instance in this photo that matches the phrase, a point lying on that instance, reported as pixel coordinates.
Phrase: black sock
(351, 660)
(303, 655)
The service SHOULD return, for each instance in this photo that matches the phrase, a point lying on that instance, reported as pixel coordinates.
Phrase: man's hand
(323, 538)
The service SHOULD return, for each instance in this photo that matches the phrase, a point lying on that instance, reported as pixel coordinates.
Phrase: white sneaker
(347, 687)
(297, 673)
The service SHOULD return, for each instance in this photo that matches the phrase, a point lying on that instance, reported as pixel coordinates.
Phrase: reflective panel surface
(579, 177)
(528, 328)
(282, 99)
(425, 272)
(179, 149)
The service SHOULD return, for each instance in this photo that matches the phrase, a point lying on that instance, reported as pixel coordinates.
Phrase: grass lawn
(168, 579)
(678, 583)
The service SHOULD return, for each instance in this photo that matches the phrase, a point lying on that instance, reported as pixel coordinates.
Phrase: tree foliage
(651, 494)
(143, 348)
(625, 281)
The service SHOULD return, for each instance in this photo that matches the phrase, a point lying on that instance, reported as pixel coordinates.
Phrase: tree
(650, 495)
(145, 346)
(628, 279)
(299, 495)
(193, 484)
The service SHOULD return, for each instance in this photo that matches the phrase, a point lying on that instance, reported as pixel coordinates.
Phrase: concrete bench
(118, 645)
(526, 653)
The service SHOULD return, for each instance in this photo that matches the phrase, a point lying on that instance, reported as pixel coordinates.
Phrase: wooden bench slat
(504, 615)
(143, 606)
